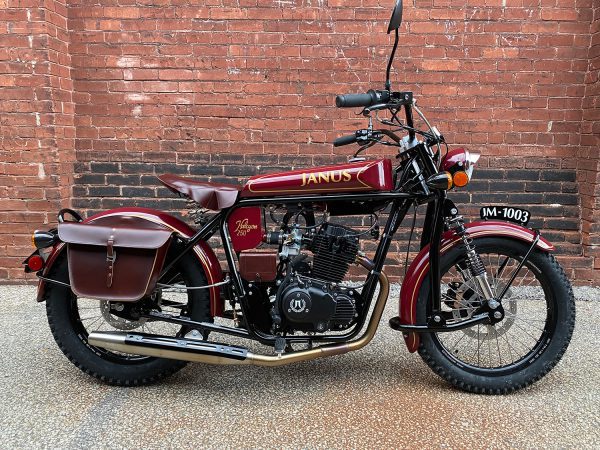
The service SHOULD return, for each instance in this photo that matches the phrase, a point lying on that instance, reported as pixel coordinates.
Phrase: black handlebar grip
(354, 100)
(345, 140)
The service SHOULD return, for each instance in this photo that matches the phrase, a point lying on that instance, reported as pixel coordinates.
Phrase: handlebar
(372, 97)
(345, 140)
(378, 100)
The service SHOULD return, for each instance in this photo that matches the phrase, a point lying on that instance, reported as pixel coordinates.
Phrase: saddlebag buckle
(111, 256)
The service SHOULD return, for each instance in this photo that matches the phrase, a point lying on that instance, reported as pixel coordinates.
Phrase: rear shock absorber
(474, 262)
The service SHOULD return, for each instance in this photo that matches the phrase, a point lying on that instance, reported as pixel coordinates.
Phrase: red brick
(121, 12)
(441, 65)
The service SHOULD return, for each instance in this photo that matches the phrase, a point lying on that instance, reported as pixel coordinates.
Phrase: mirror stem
(388, 85)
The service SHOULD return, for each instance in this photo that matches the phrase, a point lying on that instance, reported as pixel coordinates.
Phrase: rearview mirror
(396, 19)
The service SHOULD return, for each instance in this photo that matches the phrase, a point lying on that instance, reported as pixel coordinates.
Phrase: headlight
(471, 159)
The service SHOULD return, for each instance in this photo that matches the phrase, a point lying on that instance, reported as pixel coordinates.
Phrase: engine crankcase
(315, 305)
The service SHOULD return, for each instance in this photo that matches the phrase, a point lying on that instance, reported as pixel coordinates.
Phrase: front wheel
(537, 327)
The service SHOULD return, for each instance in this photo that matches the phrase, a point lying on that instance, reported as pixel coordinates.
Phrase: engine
(334, 248)
(310, 297)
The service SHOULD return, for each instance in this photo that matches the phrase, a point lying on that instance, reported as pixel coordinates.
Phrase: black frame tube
(204, 233)
(400, 206)
(202, 326)
(401, 202)
(409, 121)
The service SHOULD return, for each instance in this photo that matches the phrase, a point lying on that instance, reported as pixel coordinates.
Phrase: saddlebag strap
(111, 256)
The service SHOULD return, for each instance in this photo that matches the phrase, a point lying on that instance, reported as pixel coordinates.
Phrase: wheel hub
(467, 301)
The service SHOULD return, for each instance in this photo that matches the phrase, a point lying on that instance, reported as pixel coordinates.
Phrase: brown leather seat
(214, 196)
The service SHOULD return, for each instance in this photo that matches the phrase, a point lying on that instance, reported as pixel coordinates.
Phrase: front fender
(419, 268)
(203, 252)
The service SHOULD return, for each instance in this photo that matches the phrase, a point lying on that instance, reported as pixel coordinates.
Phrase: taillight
(35, 263)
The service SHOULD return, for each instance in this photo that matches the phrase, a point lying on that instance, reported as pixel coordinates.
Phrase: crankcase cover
(314, 306)
(298, 306)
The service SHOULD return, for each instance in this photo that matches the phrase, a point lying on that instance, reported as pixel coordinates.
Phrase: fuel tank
(363, 176)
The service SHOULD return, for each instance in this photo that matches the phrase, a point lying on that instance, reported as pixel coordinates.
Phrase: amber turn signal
(460, 179)
(441, 180)
(43, 239)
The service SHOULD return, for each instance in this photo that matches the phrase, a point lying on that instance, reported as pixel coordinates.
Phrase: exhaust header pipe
(194, 350)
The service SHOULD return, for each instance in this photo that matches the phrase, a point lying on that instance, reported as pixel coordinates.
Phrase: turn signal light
(441, 180)
(43, 239)
(460, 179)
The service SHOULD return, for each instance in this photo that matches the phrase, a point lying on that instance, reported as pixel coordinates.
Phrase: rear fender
(419, 268)
(202, 251)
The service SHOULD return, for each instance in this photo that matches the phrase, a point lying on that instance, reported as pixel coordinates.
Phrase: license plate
(508, 213)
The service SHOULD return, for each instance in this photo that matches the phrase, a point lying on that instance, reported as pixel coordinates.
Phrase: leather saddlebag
(114, 263)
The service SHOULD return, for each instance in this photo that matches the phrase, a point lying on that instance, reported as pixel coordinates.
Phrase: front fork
(443, 212)
(474, 263)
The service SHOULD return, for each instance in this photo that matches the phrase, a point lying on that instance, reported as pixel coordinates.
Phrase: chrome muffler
(194, 350)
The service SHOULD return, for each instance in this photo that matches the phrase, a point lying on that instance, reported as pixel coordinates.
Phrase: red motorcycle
(132, 294)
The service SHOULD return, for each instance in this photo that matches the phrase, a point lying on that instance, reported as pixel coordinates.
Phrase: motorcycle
(132, 294)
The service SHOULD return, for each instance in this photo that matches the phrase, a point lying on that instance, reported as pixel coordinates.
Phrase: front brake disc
(489, 332)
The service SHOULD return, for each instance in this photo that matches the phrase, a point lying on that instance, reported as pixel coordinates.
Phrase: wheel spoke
(526, 332)
(498, 345)
(508, 341)
(528, 321)
(90, 317)
(478, 344)
(459, 339)
(90, 326)
(489, 343)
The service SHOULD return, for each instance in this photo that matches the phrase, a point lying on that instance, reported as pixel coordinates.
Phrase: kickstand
(280, 345)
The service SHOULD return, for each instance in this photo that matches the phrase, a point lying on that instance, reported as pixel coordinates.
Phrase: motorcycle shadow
(379, 365)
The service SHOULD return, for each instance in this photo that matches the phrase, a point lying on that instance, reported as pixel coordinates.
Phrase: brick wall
(589, 154)
(36, 121)
(225, 89)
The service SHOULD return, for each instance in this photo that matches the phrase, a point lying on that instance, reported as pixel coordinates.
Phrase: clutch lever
(355, 157)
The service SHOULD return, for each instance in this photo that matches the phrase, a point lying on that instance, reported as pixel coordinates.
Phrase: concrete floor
(380, 396)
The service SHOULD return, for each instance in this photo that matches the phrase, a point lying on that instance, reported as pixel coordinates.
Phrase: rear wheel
(71, 320)
(515, 352)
